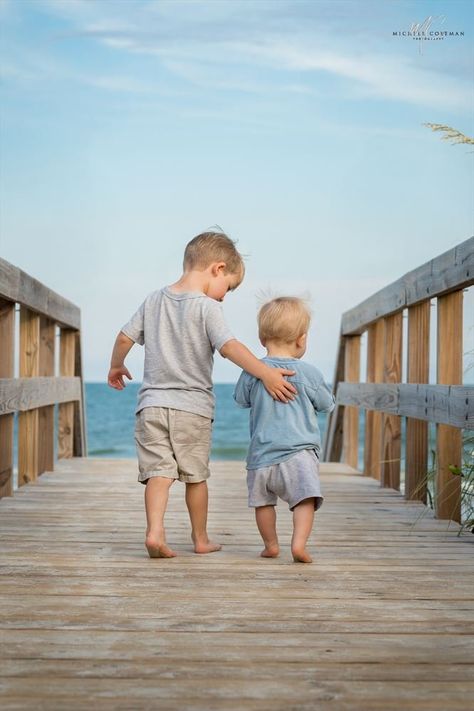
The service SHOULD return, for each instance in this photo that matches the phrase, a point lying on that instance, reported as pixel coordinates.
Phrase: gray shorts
(293, 481)
(172, 443)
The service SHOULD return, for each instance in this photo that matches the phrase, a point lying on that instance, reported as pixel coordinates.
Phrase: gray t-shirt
(180, 333)
(279, 430)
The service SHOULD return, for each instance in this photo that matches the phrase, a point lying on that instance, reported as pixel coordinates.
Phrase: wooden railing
(386, 399)
(34, 394)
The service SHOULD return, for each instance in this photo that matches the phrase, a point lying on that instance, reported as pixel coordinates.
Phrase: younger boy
(180, 326)
(283, 457)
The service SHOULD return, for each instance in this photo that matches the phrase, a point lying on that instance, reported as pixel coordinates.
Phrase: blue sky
(128, 127)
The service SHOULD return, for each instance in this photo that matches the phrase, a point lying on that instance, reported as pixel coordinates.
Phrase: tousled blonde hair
(283, 319)
(209, 247)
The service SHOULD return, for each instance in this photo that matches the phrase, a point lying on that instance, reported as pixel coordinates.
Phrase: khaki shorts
(172, 443)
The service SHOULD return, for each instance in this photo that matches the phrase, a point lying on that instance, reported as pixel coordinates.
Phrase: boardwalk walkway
(382, 620)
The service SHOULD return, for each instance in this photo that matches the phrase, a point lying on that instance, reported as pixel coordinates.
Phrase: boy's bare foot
(271, 550)
(206, 546)
(301, 555)
(158, 548)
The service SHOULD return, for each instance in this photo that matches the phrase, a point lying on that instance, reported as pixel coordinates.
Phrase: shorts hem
(254, 505)
(193, 479)
(318, 501)
(144, 476)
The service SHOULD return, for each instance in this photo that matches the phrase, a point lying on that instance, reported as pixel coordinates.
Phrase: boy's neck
(191, 281)
(283, 350)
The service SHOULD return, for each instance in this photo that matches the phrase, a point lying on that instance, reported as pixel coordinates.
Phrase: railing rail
(386, 399)
(33, 395)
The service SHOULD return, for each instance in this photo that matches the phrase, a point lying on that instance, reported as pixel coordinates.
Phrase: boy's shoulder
(165, 293)
(306, 372)
(310, 371)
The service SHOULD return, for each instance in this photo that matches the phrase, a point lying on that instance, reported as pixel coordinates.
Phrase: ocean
(111, 420)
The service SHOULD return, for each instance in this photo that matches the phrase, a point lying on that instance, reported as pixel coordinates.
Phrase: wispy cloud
(261, 47)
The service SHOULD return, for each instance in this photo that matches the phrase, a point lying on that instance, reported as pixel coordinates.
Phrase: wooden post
(66, 410)
(7, 355)
(416, 457)
(80, 433)
(46, 414)
(449, 439)
(351, 414)
(391, 427)
(373, 420)
(334, 423)
(28, 422)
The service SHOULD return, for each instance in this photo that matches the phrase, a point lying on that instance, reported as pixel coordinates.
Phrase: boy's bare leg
(197, 502)
(156, 499)
(265, 517)
(303, 516)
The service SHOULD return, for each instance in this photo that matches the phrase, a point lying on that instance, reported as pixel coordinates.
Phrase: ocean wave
(105, 451)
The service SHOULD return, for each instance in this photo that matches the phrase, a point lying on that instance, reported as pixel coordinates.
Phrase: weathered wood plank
(449, 439)
(46, 414)
(22, 394)
(351, 414)
(391, 426)
(16, 285)
(373, 419)
(80, 426)
(7, 353)
(388, 609)
(67, 366)
(451, 405)
(416, 450)
(28, 422)
(453, 270)
(332, 447)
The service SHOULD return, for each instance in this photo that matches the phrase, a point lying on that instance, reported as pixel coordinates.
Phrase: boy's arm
(272, 378)
(242, 390)
(117, 368)
(323, 399)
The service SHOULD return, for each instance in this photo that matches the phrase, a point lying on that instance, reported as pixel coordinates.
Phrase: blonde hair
(283, 319)
(209, 247)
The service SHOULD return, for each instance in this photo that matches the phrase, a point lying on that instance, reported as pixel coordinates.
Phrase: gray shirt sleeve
(216, 328)
(135, 328)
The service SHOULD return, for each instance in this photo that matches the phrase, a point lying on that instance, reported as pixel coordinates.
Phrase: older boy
(181, 326)
(283, 457)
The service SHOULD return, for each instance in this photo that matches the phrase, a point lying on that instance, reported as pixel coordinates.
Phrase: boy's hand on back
(115, 377)
(276, 385)
(272, 378)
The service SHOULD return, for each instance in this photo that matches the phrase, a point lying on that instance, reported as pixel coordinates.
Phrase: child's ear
(218, 268)
(301, 340)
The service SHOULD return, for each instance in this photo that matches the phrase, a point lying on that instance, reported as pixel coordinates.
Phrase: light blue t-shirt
(278, 430)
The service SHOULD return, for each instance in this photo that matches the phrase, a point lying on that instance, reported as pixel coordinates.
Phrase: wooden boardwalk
(382, 620)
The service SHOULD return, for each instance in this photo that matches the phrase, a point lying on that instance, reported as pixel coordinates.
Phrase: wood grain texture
(21, 394)
(391, 425)
(46, 414)
(451, 271)
(332, 445)
(7, 355)
(351, 414)
(446, 404)
(383, 619)
(80, 425)
(28, 422)
(17, 285)
(373, 419)
(449, 439)
(67, 367)
(418, 365)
